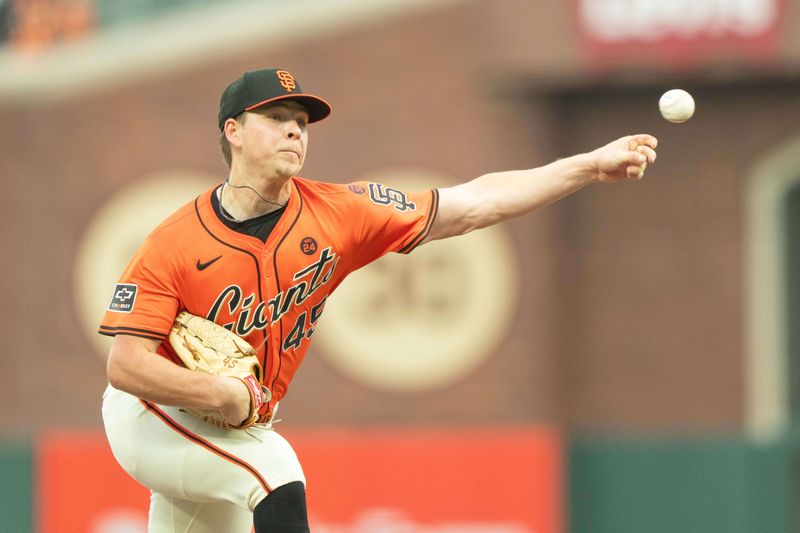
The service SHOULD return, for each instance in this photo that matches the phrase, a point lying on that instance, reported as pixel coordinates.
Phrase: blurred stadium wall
(651, 329)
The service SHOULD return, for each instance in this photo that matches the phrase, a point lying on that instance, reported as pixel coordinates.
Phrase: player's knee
(283, 510)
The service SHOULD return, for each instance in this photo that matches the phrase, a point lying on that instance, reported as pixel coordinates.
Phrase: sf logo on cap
(286, 80)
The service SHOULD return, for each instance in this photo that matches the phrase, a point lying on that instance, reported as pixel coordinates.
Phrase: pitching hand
(625, 158)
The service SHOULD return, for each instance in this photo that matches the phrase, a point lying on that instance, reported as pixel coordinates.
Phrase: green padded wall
(16, 488)
(686, 486)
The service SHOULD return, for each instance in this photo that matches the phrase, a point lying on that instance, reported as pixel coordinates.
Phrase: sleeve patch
(387, 196)
(124, 298)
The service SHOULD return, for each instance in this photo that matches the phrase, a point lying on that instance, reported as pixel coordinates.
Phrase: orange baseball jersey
(272, 293)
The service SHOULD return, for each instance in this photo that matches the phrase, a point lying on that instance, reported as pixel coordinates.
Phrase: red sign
(682, 31)
(359, 481)
(80, 487)
(470, 480)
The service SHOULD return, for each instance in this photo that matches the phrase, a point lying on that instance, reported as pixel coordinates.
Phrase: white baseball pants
(202, 479)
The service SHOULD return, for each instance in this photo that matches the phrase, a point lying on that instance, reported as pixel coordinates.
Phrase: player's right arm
(134, 367)
(499, 196)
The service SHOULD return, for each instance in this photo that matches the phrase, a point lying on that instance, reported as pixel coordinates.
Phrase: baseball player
(259, 254)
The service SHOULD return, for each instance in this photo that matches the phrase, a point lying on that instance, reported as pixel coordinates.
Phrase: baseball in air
(676, 105)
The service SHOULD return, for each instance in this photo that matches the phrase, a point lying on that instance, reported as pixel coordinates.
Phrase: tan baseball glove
(205, 346)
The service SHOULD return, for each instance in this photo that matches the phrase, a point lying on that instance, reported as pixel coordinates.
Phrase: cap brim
(317, 107)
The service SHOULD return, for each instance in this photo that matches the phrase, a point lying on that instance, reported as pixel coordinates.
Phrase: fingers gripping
(641, 151)
(642, 139)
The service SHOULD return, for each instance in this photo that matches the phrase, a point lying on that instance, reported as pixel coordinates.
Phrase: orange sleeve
(145, 301)
(386, 219)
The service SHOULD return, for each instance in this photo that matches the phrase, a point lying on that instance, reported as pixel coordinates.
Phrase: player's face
(275, 138)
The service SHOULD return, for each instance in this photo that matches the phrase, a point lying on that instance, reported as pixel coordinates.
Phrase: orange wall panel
(501, 480)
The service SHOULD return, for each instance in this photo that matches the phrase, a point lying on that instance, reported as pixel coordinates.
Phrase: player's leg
(283, 511)
(178, 455)
(173, 515)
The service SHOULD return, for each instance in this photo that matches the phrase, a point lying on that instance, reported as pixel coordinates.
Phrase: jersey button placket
(271, 288)
(267, 261)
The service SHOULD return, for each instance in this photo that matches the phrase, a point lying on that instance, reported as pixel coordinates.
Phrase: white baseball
(676, 105)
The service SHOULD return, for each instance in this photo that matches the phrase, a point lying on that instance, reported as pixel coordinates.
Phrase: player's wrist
(581, 169)
(234, 391)
(588, 167)
(223, 392)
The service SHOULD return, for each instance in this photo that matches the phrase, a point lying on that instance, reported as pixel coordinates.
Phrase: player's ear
(233, 132)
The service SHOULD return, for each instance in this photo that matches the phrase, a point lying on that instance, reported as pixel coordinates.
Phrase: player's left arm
(499, 196)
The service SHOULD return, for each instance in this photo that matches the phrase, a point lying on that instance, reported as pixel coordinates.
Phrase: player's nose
(293, 129)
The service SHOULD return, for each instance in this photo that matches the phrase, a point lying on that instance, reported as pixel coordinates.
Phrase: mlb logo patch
(124, 298)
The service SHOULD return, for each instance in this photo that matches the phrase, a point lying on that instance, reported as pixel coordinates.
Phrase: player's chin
(287, 170)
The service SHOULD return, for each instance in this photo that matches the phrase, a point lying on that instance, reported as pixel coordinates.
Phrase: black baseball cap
(259, 87)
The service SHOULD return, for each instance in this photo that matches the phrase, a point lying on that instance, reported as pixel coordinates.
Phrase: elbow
(470, 220)
(113, 374)
(115, 371)
(457, 227)
(479, 221)
(466, 208)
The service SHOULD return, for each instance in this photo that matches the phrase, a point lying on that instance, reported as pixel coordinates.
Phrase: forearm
(513, 193)
(499, 196)
(145, 374)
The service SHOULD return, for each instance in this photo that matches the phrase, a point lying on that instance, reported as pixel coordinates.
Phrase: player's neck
(244, 199)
